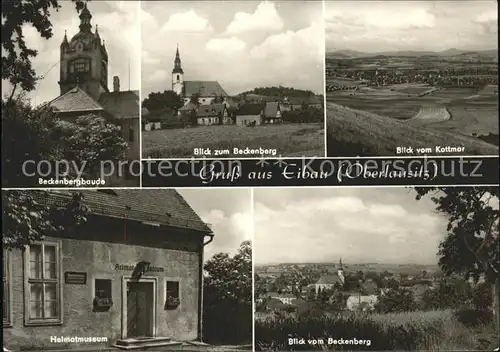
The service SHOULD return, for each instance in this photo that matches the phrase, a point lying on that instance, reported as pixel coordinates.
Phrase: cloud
(226, 45)
(361, 226)
(229, 230)
(293, 57)
(187, 22)
(305, 44)
(377, 26)
(265, 18)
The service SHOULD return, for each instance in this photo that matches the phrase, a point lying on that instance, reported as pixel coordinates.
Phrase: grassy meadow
(471, 111)
(430, 330)
(352, 132)
(289, 140)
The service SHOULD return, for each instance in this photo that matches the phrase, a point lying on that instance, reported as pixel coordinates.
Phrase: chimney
(116, 84)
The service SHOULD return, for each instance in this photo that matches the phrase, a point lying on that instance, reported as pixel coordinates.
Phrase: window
(43, 297)
(79, 66)
(178, 77)
(172, 294)
(102, 295)
(6, 288)
(131, 135)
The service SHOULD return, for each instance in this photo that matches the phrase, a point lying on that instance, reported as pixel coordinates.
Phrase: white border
(325, 134)
(252, 231)
(140, 87)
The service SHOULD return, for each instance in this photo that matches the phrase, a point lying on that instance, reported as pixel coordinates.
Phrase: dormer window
(79, 66)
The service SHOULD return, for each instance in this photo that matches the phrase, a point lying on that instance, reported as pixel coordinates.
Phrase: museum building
(132, 272)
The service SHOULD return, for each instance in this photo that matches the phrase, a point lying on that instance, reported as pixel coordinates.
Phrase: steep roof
(250, 109)
(164, 206)
(329, 280)
(122, 104)
(210, 110)
(204, 88)
(75, 100)
(188, 107)
(271, 109)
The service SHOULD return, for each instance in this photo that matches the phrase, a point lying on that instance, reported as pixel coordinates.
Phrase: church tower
(177, 75)
(84, 60)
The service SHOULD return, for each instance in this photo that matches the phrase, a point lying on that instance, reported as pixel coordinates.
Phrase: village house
(133, 274)
(157, 120)
(358, 302)
(84, 88)
(272, 113)
(213, 114)
(249, 114)
(297, 103)
(285, 298)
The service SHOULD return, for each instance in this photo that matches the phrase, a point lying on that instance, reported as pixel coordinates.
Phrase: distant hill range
(450, 53)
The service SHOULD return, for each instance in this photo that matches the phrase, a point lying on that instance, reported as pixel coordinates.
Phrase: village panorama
(378, 268)
(207, 95)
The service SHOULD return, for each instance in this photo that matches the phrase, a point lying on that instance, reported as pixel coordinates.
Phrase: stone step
(146, 343)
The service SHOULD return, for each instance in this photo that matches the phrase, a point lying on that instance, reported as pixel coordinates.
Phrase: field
(431, 330)
(290, 140)
(353, 132)
(416, 116)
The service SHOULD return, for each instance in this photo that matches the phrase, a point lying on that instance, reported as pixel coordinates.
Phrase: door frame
(127, 279)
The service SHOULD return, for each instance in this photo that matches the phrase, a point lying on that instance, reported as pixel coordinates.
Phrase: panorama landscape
(412, 78)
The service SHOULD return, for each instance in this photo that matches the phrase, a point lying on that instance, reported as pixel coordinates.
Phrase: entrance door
(140, 309)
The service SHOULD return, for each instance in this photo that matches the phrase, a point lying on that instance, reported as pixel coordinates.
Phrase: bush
(474, 317)
(405, 331)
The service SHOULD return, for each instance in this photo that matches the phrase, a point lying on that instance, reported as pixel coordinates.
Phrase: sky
(228, 211)
(119, 27)
(240, 44)
(375, 26)
(361, 225)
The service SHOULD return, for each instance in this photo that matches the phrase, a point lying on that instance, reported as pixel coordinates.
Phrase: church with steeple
(83, 83)
(207, 90)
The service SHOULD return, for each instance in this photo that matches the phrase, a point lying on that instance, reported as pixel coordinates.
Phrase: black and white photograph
(409, 78)
(70, 83)
(404, 269)
(232, 79)
(127, 269)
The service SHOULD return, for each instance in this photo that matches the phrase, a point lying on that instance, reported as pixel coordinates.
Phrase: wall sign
(147, 268)
(75, 278)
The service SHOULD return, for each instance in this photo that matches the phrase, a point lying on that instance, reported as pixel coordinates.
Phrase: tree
(27, 218)
(472, 246)
(167, 100)
(22, 123)
(195, 99)
(396, 300)
(89, 141)
(17, 68)
(228, 296)
(219, 99)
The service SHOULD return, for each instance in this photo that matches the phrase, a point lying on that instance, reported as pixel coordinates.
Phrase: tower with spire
(84, 60)
(178, 74)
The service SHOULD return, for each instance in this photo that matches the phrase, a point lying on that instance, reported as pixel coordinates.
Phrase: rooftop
(160, 206)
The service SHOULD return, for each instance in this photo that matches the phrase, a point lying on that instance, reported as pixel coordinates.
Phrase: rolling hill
(449, 53)
(353, 132)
